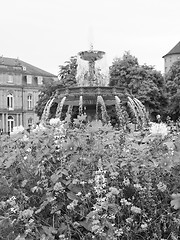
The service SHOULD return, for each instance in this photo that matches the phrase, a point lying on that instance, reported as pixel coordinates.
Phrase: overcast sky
(46, 33)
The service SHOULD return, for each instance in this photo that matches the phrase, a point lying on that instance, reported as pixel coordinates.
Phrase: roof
(174, 50)
(29, 69)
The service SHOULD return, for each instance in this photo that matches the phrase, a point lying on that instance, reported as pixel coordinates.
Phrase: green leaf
(72, 196)
(176, 201)
(20, 237)
(9, 162)
(42, 206)
(23, 184)
(49, 231)
(74, 188)
(54, 178)
(86, 225)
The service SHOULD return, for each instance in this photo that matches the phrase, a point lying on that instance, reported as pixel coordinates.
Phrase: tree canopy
(172, 80)
(142, 81)
(67, 77)
(67, 72)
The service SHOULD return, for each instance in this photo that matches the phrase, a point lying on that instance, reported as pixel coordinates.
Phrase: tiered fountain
(92, 93)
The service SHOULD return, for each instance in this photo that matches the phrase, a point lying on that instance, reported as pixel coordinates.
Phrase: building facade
(171, 57)
(20, 84)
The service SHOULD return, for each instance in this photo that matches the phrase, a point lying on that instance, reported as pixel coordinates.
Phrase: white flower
(39, 127)
(17, 129)
(135, 209)
(87, 195)
(138, 186)
(114, 190)
(75, 181)
(25, 138)
(126, 182)
(72, 204)
(28, 149)
(27, 213)
(58, 187)
(82, 182)
(125, 202)
(129, 220)
(78, 194)
(159, 129)
(54, 121)
(119, 232)
(144, 226)
(161, 187)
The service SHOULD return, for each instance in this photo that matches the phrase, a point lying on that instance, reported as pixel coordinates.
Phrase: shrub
(88, 181)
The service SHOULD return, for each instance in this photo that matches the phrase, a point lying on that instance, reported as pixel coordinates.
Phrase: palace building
(20, 83)
(171, 57)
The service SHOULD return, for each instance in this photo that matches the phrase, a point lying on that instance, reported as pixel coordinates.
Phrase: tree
(47, 90)
(67, 72)
(67, 78)
(121, 70)
(142, 81)
(172, 80)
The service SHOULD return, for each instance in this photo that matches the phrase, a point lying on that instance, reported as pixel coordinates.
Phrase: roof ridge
(174, 50)
(31, 69)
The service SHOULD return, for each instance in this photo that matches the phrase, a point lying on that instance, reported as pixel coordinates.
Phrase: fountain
(93, 94)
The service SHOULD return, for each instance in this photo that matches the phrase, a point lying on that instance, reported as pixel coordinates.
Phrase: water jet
(93, 93)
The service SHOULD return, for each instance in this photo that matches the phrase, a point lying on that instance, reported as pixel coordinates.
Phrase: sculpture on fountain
(93, 93)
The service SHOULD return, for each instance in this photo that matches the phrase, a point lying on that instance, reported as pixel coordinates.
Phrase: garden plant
(89, 181)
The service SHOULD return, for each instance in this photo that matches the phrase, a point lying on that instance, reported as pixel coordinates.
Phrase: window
(10, 101)
(10, 123)
(29, 79)
(29, 102)
(30, 122)
(40, 80)
(10, 78)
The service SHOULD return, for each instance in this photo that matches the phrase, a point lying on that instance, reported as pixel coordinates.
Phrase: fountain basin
(90, 95)
(91, 56)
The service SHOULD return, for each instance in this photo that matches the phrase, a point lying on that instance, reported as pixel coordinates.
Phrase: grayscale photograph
(90, 120)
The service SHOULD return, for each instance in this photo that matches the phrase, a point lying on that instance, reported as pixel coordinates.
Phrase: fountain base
(89, 95)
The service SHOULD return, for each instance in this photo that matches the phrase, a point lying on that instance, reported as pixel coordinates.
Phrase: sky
(46, 33)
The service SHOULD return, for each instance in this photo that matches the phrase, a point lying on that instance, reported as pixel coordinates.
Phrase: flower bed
(88, 182)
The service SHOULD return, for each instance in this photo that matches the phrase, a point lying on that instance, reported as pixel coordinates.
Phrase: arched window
(10, 123)
(29, 102)
(30, 122)
(10, 101)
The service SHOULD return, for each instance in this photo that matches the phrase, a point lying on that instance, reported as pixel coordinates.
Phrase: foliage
(172, 79)
(67, 78)
(47, 90)
(81, 181)
(67, 72)
(144, 82)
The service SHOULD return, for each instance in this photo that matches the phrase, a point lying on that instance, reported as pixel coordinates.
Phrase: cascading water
(138, 111)
(102, 72)
(82, 72)
(80, 105)
(70, 108)
(60, 107)
(142, 111)
(46, 110)
(104, 114)
(132, 106)
(119, 111)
